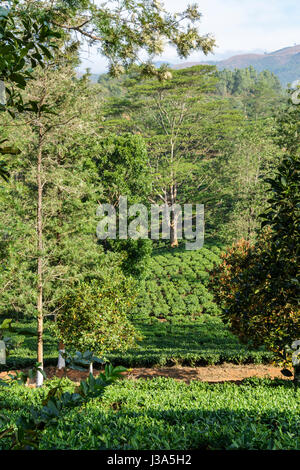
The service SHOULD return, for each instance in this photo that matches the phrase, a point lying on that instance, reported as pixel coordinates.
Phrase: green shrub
(94, 317)
(247, 288)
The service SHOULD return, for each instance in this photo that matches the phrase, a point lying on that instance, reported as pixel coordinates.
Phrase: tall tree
(121, 29)
(185, 126)
(54, 182)
(240, 191)
(123, 165)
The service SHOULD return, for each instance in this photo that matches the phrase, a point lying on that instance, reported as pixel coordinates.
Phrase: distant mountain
(285, 63)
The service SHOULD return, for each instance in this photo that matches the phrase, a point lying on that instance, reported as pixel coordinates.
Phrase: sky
(238, 26)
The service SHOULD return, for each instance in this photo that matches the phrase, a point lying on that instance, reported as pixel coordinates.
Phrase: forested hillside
(209, 136)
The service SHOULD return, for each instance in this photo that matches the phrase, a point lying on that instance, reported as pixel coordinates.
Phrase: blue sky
(238, 26)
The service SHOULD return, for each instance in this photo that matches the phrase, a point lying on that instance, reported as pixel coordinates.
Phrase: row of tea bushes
(181, 340)
(258, 414)
(186, 342)
(177, 285)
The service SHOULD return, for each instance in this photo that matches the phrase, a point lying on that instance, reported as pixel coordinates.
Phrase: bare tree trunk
(2, 353)
(40, 326)
(297, 375)
(173, 216)
(173, 231)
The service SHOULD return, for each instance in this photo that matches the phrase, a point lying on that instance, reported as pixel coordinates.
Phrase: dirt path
(211, 374)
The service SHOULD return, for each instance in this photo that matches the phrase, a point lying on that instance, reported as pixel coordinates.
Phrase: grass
(165, 414)
(204, 341)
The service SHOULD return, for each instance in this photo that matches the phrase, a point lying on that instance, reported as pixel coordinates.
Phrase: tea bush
(161, 413)
(203, 341)
(177, 284)
(200, 342)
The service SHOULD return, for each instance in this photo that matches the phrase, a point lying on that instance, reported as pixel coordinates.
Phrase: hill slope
(285, 63)
(176, 285)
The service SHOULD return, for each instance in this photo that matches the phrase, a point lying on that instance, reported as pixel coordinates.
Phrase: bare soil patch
(211, 374)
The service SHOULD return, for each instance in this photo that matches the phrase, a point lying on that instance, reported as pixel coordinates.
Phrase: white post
(2, 353)
(61, 364)
(39, 378)
(91, 368)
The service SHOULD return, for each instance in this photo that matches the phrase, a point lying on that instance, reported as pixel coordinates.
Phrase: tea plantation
(177, 284)
(204, 341)
(165, 414)
(175, 315)
(179, 325)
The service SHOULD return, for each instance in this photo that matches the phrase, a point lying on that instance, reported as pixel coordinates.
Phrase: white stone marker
(61, 364)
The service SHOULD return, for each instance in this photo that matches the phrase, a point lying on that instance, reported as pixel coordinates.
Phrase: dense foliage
(93, 317)
(27, 40)
(257, 93)
(232, 209)
(122, 164)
